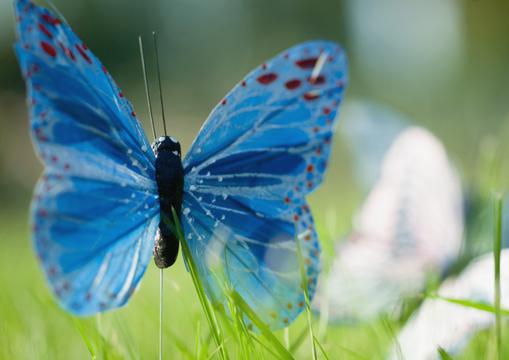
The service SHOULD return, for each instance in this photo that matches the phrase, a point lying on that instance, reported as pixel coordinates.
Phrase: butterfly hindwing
(261, 151)
(95, 211)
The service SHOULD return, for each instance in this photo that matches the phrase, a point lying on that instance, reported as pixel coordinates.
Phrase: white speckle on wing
(186, 211)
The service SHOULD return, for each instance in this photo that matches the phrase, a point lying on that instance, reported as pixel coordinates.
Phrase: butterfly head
(167, 144)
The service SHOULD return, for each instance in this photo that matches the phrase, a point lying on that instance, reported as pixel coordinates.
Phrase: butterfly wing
(260, 152)
(410, 225)
(95, 210)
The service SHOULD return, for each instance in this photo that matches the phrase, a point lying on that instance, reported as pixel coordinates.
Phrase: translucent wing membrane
(261, 151)
(95, 212)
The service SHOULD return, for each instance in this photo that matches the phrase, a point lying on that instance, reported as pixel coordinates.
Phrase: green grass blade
(304, 286)
(324, 353)
(298, 340)
(443, 354)
(207, 307)
(264, 329)
(85, 338)
(471, 304)
(497, 248)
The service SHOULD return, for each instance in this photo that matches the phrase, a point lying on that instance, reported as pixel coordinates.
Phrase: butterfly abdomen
(170, 183)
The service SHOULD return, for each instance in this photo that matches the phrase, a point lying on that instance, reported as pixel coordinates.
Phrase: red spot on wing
(67, 51)
(287, 200)
(293, 84)
(83, 54)
(310, 168)
(296, 217)
(48, 49)
(309, 96)
(52, 271)
(51, 20)
(67, 167)
(104, 69)
(264, 66)
(121, 94)
(310, 184)
(267, 78)
(54, 159)
(326, 111)
(307, 63)
(45, 31)
(133, 114)
(243, 83)
(223, 102)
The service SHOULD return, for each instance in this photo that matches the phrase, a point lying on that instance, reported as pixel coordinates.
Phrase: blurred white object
(410, 225)
(439, 323)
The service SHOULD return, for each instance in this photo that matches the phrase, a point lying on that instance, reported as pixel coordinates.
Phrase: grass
(33, 326)
(31, 323)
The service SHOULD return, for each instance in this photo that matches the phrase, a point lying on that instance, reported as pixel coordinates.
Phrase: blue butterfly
(239, 192)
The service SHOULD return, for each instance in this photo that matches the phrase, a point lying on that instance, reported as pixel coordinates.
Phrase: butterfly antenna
(56, 11)
(147, 90)
(318, 66)
(160, 314)
(154, 36)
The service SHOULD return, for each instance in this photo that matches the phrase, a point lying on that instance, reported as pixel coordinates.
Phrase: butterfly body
(170, 186)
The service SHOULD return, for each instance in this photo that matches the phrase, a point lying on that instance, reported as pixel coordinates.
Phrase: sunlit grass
(33, 326)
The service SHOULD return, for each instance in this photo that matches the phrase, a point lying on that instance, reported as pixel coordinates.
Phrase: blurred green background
(444, 63)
